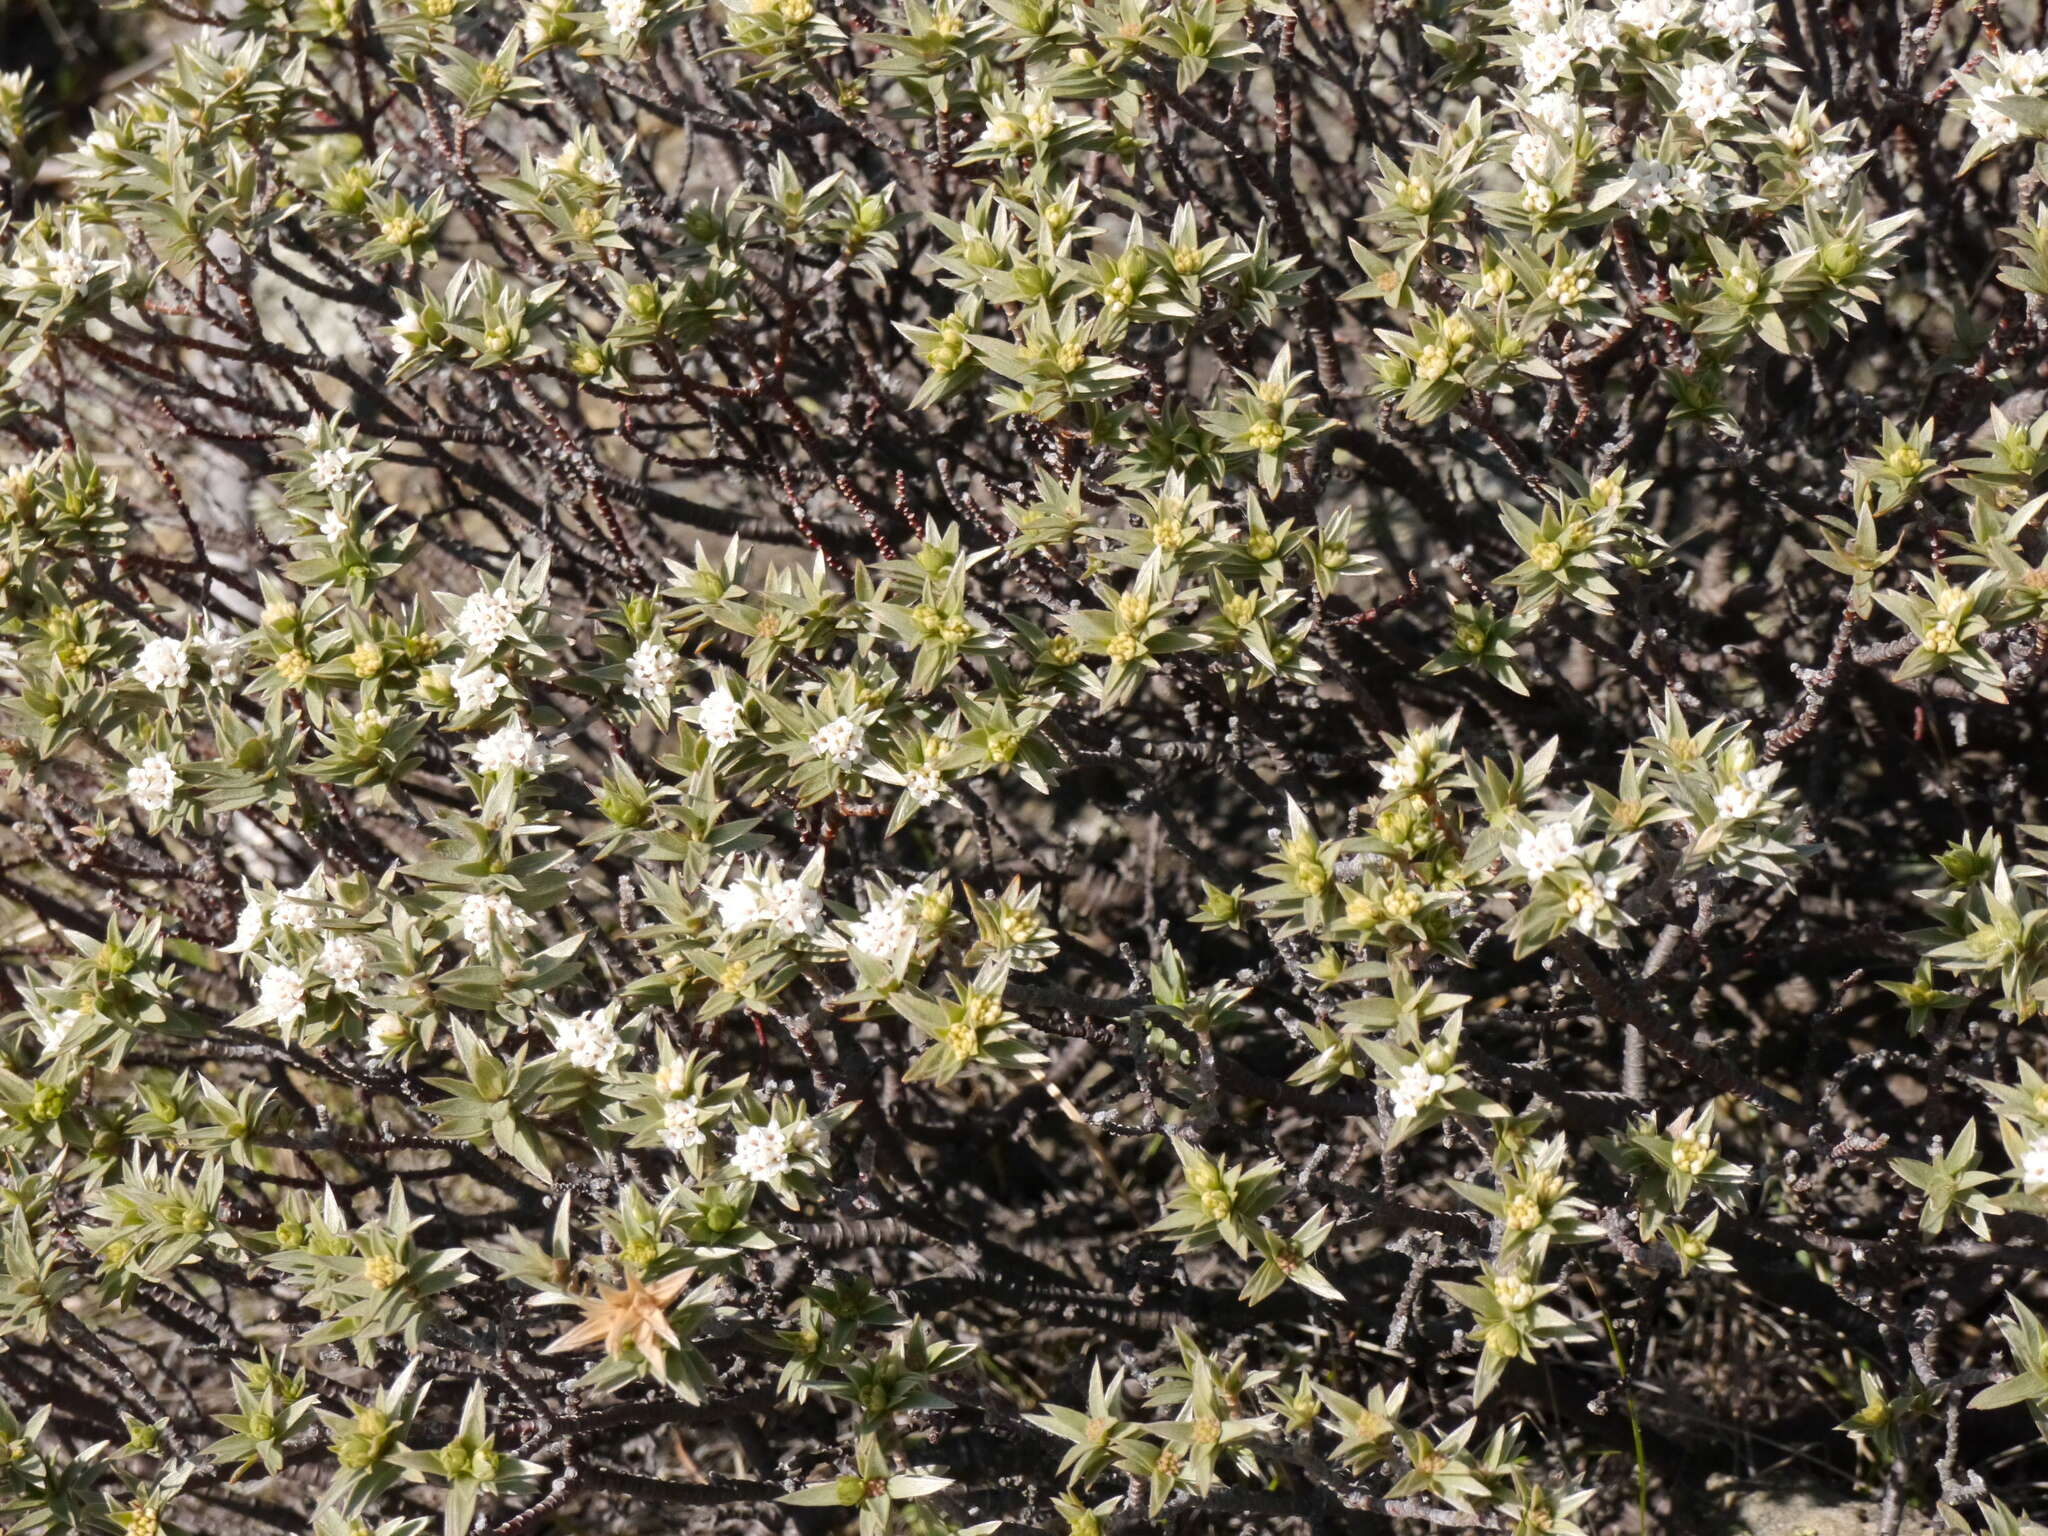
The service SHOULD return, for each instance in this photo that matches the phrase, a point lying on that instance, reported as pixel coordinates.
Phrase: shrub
(997, 765)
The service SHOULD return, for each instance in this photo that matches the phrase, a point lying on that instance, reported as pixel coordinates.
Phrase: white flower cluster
(1545, 849)
(1590, 900)
(840, 741)
(1552, 116)
(2034, 1164)
(589, 1040)
(331, 469)
(1404, 772)
(1415, 1089)
(296, 910)
(924, 785)
(164, 665)
(624, 19)
(481, 916)
(1653, 18)
(1745, 797)
(761, 1153)
(682, 1124)
(477, 688)
(345, 961)
(292, 911)
(511, 748)
(487, 618)
(220, 646)
(789, 907)
(1710, 91)
(888, 929)
(1993, 77)
(281, 995)
(389, 1035)
(718, 717)
(1035, 119)
(65, 261)
(1827, 173)
(153, 784)
(1655, 186)
(764, 1153)
(1736, 21)
(653, 670)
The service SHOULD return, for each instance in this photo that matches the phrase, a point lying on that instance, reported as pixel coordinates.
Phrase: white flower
(2034, 1165)
(2024, 71)
(589, 1040)
(789, 906)
(65, 263)
(1739, 21)
(682, 1125)
(1709, 91)
(739, 905)
(1403, 772)
(889, 927)
(1597, 32)
(1992, 124)
(1532, 157)
(295, 911)
(410, 335)
(221, 648)
(804, 1139)
(1542, 849)
(1545, 57)
(572, 159)
(153, 784)
(924, 785)
(718, 718)
(345, 961)
(625, 18)
(841, 741)
(331, 467)
(478, 688)
(282, 995)
(511, 748)
(653, 669)
(389, 1035)
(57, 1030)
(71, 267)
(1041, 118)
(1695, 188)
(760, 1153)
(1535, 15)
(1742, 799)
(793, 908)
(1415, 1089)
(1827, 175)
(163, 666)
(1559, 111)
(1588, 900)
(248, 926)
(1651, 17)
(482, 915)
(336, 525)
(486, 619)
